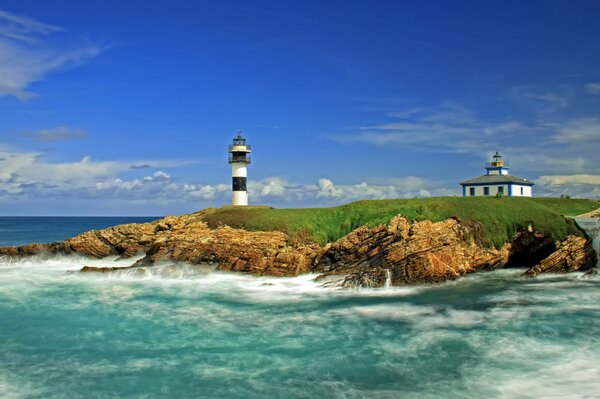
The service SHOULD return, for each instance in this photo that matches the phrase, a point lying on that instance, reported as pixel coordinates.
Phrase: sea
(184, 331)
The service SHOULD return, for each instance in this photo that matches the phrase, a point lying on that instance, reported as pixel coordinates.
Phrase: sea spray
(388, 278)
(180, 330)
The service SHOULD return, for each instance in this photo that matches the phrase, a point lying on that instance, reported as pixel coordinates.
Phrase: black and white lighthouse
(239, 158)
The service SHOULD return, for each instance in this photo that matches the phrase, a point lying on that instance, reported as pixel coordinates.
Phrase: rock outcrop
(126, 240)
(187, 239)
(417, 253)
(399, 253)
(258, 252)
(573, 254)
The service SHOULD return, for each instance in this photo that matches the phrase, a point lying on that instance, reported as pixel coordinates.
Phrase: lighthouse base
(239, 198)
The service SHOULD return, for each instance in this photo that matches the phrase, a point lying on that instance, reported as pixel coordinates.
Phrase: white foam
(454, 318)
(397, 312)
(530, 367)
(386, 326)
(12, 387)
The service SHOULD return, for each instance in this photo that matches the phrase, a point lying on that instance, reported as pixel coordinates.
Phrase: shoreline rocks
(573, 254)
(397, 253)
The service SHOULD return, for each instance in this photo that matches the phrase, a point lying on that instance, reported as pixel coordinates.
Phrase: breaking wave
(179, 330)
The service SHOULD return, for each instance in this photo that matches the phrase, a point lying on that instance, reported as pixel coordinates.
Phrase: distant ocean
(177, 331)
(19, 230)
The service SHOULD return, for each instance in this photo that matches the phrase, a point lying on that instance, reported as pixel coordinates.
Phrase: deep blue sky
(340, 99)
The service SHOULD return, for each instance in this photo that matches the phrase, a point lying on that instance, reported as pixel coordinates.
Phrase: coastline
(400, 252)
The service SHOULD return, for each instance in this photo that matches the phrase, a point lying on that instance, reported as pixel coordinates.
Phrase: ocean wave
(180, 330)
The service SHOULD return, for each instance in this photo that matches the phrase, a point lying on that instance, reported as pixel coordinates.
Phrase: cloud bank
(28, 176)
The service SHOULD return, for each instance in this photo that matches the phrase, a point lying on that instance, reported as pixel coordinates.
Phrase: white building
(497, 180)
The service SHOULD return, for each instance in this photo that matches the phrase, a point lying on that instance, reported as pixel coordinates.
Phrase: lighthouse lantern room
(239, 158)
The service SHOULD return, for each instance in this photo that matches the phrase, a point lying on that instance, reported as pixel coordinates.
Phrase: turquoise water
(181, 331)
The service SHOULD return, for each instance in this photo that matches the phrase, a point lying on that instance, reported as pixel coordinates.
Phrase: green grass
(501, 217)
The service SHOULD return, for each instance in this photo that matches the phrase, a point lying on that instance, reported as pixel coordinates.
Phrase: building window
(486, 191)
(471, 191)
(521, 190)
(500, 189)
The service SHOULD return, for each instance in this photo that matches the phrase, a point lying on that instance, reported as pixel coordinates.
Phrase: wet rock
(417, 253)
(187, 239)
(372, 278)
(399, 253)
(573, 254)
(101, 269)
(591, 273)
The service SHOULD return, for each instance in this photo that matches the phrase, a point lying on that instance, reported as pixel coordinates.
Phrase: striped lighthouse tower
(239, 158)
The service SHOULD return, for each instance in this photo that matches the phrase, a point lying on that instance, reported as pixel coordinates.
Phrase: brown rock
(421, 252)
(573, 254)
(400, 252)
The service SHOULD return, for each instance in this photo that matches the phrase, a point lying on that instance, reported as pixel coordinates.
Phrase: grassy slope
(502, 217)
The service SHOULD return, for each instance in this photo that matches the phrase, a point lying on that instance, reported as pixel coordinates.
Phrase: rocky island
(365, 243)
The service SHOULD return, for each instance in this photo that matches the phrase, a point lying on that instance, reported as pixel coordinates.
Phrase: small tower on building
(239, 158)
(497, 181)
(497, 166)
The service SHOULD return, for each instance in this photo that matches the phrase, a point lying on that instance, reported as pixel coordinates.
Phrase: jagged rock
(187, 238)
(421, 252)
(371, 278)
(591, 273)
(573, 254)
(102, 269)
(400, 252)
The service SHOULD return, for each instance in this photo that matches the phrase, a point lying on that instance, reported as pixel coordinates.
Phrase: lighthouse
(239, 158)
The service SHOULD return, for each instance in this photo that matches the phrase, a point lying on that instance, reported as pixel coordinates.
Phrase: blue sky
(111, 108)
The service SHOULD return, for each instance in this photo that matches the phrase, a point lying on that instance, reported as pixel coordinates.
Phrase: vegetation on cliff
(501, 217)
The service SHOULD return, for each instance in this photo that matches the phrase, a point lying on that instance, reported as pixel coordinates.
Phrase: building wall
(516, 191)
(497, 171)
(479, 189)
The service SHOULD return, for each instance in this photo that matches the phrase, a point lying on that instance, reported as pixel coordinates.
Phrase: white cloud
(27, 54)
(580, 185)
(542, 144)
(56, 134)
(558, 180)
(540, 100)
(27, 175)
(533, 160)
(160, 186)
(23, 29)
(448, 128)
(328, 190)
(21, 171)
(270, 187)
(583, 130)
(592, 88)
(548, 97)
